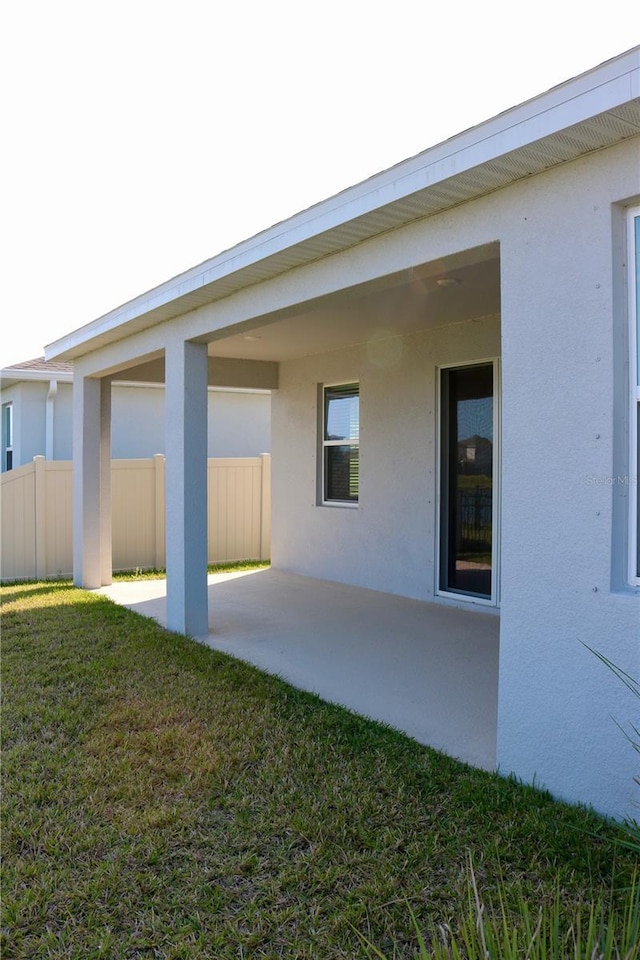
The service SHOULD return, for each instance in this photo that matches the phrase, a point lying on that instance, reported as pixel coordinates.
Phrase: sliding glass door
(467, 457)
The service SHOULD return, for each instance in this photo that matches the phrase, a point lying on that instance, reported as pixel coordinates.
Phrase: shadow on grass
(34, 589)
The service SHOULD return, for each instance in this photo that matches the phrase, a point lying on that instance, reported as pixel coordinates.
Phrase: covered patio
(448, 345)
(427, 669)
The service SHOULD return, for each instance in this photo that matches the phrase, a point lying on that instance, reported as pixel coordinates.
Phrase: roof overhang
(592, 111)
(12, 375)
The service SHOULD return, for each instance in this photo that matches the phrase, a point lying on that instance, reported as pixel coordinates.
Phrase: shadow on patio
(424, 668)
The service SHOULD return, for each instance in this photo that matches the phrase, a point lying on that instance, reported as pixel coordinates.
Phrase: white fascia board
(250, 390)
(9, 376)
(595, 92)
(160, 386)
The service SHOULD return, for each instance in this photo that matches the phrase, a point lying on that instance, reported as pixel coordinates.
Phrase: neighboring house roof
(43, 365)
(597, 109)
(44, 370)
(38, 369)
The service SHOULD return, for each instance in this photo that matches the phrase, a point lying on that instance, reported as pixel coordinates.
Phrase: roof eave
(357, 212)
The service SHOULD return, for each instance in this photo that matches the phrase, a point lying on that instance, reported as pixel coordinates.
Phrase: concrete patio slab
(427, 669)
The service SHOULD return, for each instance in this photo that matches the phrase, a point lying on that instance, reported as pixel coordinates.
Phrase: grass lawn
(162, 800)
(232, 566)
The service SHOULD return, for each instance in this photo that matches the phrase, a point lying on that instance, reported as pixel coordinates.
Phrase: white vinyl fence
(37, 515)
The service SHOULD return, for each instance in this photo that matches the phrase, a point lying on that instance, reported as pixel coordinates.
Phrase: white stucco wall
(63, 422)
(137, 421)
(32, 422)
(564, 324)
(29, 421)
(239, 424)
(563, 354)
(387, 542)
(29, 400)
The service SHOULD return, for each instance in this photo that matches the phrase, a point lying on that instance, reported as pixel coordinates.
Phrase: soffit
(579, 140)
(413, 190)
(395, 306)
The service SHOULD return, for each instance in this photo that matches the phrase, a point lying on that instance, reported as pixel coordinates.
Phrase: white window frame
(325, 444)
(7, 435)
(634, 395)
(494, 599)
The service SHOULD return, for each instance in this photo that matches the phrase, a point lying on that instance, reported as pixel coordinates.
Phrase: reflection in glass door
(467, 459)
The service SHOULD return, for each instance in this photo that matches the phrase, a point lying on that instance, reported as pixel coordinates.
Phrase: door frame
(494, 600)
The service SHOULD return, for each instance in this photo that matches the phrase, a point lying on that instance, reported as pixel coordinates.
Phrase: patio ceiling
(460, 289)
(457, 290)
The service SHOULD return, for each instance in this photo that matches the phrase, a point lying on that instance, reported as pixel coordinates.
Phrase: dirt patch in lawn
(151, 756)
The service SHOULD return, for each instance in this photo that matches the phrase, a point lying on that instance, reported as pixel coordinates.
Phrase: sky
(141, 138)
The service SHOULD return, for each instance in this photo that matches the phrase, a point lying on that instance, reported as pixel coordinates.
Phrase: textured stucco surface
(29, 401)
(238, 425)
(562, 316)
(387, 543)
(562, 321)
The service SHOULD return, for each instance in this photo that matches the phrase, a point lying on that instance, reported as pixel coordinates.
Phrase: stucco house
(452, 347)
(37, 414)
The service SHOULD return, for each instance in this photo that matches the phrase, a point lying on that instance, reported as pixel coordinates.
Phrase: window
(7, 439)
(634, 418)
(340, 443)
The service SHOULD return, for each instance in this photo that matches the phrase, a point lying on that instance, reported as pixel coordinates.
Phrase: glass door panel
(466, 520)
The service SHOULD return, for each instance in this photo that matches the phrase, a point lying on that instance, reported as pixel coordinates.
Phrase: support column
(160, 511)
(40, 525)
(106, 549)
(265, 504)
(186, 487)
(92, 560)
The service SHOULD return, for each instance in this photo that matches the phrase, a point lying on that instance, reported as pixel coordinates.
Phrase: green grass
(229, 567)
(162, 800)
(150, 573)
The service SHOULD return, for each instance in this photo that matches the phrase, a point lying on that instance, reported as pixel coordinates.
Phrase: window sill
(339, 504)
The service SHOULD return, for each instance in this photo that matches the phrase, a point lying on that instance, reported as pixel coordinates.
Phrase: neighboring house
(479, 298)
(37, 412)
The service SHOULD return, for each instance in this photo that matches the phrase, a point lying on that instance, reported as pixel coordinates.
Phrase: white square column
(186, 487)
(92, 553)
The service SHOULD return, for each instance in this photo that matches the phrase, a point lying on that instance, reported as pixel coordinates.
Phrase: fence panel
(133, 513)
(37, 514)
(58, 519)
(18, 524)
(234, 493)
